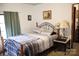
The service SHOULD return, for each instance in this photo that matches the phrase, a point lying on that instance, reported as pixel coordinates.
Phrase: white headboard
(47, 26)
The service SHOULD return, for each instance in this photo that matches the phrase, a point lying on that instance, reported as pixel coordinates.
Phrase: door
(75, 23)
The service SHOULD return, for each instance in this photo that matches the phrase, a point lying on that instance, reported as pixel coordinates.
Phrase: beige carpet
(70, 52)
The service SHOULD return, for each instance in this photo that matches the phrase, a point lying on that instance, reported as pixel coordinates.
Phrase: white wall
(23, 10)
(60, 11)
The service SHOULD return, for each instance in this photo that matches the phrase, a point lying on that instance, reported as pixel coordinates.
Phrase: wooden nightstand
(62, 43)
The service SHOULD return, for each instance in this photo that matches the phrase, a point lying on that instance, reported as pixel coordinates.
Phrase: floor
(76, 46)
(70, 52)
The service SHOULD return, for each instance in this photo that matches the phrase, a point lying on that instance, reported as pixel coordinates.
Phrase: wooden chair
(2, 50)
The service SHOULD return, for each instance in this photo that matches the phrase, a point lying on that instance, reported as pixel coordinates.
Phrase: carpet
(69, 52)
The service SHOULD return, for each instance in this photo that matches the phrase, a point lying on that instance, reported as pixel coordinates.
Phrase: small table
(62, 41)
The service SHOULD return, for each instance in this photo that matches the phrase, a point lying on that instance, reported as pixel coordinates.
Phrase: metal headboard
(47, 26)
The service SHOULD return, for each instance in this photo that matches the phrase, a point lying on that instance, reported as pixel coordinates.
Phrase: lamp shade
(62, 27)
(64, 24)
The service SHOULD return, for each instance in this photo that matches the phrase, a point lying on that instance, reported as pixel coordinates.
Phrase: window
(2, 26)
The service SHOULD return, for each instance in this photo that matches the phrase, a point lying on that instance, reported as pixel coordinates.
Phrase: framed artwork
(47, 14)
(29, 17)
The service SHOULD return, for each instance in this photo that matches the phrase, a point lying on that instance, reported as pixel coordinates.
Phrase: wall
(23, 10)
(60, 11)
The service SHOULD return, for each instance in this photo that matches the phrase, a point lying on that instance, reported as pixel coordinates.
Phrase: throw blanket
(33, 44)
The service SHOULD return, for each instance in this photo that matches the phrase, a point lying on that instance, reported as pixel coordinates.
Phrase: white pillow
(36, 30)
(45, 33)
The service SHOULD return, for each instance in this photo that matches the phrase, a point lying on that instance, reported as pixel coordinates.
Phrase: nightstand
(62, 43)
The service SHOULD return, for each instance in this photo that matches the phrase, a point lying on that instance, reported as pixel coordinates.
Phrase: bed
(31, 44)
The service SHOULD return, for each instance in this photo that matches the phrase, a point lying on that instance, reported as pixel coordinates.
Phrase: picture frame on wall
(29, 17)
(47, 14)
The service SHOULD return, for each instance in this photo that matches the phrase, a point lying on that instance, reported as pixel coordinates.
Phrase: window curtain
(12, 23)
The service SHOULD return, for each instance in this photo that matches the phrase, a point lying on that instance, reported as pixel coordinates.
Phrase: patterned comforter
(33, 44)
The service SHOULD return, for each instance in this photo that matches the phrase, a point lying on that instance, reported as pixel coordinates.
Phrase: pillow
(45, 33)
(36, 30)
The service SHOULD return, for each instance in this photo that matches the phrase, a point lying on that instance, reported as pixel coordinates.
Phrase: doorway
(75, 23)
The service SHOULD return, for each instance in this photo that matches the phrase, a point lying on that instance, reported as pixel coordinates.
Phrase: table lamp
(64, 25)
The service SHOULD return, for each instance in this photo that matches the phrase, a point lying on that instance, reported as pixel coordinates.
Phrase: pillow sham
(36, 30)
(45, 33)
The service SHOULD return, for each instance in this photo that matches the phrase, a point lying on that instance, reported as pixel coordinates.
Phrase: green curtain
(12, 23)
